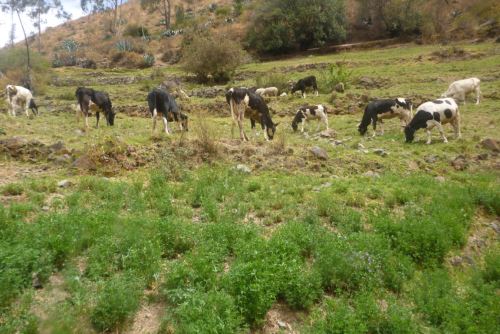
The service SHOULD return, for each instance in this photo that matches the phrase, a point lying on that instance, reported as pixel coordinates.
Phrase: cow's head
(271, 131)
(11, 90)
(362, 129)
(184, 121)
(297, 119)
(110, 117)
(409, 133)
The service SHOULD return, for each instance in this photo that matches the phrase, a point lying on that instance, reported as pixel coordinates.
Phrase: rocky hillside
(451, 19)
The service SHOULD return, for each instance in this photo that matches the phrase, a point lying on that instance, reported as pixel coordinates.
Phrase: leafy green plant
(333, 75)
(278, 80)
(117, 302)
(124, 46)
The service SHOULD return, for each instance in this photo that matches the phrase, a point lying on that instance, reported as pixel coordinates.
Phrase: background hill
(444, 20)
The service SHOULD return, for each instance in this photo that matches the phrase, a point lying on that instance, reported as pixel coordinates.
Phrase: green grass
(217, 249)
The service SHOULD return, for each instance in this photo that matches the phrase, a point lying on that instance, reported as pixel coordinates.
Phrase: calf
(161, 102)
(310, 112)
(434, 113)
(241, 98)
(269, 91)
(385, 109)
(305, 83)
(20, 97)
(89, 99)
(460, 89)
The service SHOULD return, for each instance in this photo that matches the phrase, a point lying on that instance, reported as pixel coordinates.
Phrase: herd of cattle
(250, 103)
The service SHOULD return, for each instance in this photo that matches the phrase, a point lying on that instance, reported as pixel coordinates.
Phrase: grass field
(163, 234)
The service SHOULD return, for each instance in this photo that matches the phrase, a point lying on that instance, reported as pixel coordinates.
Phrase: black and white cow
(241, 98)
(303, 84)
(87, 96)
(307, 113)
(434, 113)
(385, 109)
(20, 98)
(162, 103)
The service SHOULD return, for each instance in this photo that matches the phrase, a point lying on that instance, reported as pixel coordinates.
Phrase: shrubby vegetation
(212, 56)
(223, 275)
(13, 66)
(280, 26)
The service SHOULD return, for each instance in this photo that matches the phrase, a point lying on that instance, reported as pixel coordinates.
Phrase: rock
(440, 179)
(319, 153)
(283, 94)
(495, 226)
(482, 156)
(340, 87)
(412, 165)
(469, 259)
(64, 183)
(460, 163)
(84, 163)
(324, 185)
(491, 144)
(361, 146)
(372, 174)
(431, 159)
(79, 132)
(327, 133)
(45, 208)
(243, 168)
(36, 282)
(338, 142)
(456, 261)
(282, 324)
(380, 151)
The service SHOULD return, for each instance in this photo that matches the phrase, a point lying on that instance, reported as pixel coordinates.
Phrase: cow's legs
(155, 113)
(381, 128)
(87, 121)
(456, 126)
(302, 124)
(26, 109)
(478, 94)
(374, 122)
(325, 120)
(97, 119)
(241, 117)
(165, 124)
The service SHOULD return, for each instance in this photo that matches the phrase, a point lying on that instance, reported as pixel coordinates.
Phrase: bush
(335, 74)
(117, 302)
(284, 25)
(212, 57)
(210, 312)
(134, 30)
(278, 80)
(13, 65)
(491, 272)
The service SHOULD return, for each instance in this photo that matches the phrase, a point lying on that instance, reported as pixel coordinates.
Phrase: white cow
(20, 97)
(459, 89)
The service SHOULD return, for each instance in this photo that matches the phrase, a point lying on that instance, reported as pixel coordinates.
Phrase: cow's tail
(33, 107)
(365, 121)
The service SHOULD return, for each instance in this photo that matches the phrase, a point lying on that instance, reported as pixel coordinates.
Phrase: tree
(18, 7)
(283, 25)
(164, 6)
(41, 8)
(99, 6)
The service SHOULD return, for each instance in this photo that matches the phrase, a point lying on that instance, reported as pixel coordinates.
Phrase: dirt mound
(26, 150)
(372, 83)
(113, 156)
(453, 53)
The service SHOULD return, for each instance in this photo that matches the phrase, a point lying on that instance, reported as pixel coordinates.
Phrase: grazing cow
(161, 102)
(305, 83)
(269, 91)
(241, 98)
(458, 90)
(20, 97)
(310, 112)
(385, 109)
(434, 113)
(89, 99)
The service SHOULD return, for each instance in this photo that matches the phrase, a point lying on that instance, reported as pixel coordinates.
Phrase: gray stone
(431, 159)
(495, 226)
(491, 144)
(243, 168)
(327, 133)
(440, 179)
(380, 151)
(282, 324)
(64, 183)
(372, 174)
(319, 153)
(340, 87)
(361, 146)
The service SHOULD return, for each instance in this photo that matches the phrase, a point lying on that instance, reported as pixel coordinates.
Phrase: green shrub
(491, 271)
(212, 57)
(210, 312)
(337, 318)
(13, 189)
(149, 60)
(134, 30)
(117, 302)
(124, 46)
(278, 80)
(271, 31)
(333, 75)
